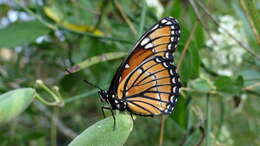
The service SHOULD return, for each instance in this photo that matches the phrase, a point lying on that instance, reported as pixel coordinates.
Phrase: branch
(129, 23)
(199, 18)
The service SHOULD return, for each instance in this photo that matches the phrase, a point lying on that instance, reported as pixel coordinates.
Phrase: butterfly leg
(103, 108)
(132, 117)
(113, 115)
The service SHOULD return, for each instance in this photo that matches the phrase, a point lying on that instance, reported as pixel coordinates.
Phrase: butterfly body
(146, 83)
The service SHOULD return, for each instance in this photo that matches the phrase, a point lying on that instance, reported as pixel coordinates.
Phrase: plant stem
(162, 124)
(208, 120)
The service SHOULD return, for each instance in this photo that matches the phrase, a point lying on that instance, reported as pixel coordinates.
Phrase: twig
(249, 19)
(102, 10)
(202, 131)
(162, 124)
(250, 87)
(205, 9)
(129, 23)
(187, 43)
(199, 18)
(61, 127)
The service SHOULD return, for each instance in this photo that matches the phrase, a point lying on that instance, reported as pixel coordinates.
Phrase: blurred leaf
(4, 8)
(173, 9)
(102, 133)
(179, 113)
(229, 85)
(189, 69)
(202, 85)
(15, 102)
(54, 14)
(21, 33)
(199, 37)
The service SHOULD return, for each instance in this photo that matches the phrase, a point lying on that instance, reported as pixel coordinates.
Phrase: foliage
(218, 59)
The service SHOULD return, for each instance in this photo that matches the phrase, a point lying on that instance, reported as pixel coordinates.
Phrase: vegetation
(218, 59)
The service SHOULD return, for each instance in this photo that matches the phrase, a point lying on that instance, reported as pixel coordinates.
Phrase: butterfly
(146, 83)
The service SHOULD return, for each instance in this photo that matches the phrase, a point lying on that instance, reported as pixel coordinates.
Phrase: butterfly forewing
(147, 81)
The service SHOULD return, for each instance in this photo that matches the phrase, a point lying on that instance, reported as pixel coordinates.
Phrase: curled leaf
(53, 13)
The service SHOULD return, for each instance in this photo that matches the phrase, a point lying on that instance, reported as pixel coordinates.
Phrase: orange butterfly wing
(147, 80)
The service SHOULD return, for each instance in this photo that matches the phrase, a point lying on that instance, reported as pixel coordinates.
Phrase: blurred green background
(218, 60)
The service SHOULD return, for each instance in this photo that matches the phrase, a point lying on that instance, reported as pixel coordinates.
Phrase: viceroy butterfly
(146, 83)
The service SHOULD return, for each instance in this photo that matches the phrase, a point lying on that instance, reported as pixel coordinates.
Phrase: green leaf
(102, 133)
(229, 85)
(202, 85)
(21, 33)
(224, 84)
(189, 69)
(15, 102)
(179, 113)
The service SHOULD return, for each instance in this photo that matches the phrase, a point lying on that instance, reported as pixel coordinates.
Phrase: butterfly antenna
(91, 84)
(87, 82)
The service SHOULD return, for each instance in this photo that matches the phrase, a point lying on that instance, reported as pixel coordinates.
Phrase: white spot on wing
(127, 66)
(174, 89)
(169, 23)
(145, 41)
(173, 80)
(156, 26)
(172, 39)
(164, 21)
(158, 60)
(165, 64)
(169, 46)
(150, 45)
(172, 99)
(171, 71)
